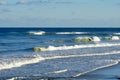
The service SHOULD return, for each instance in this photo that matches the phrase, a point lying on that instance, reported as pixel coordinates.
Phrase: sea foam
(52, 48)
(7, 63)
(36, 32)
(70, 32)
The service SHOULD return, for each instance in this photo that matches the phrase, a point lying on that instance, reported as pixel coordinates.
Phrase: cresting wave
(18, 62)
(36, 32)
(87, 39)
(71, 32)
(43, 32)
(53, 48)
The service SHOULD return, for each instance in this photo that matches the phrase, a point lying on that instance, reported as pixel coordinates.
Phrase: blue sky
(59, 13)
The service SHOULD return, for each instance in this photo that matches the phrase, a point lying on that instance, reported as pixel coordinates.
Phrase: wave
(115, 38)
(63, 66)
(117, 33)
(17, 78)
(72, 71)
(53, 48)
(96, 39)
(87, 39)
(71, 32)
(82, 39)
(57, 72)
(7, 63)
(85, 55)
(36, 32)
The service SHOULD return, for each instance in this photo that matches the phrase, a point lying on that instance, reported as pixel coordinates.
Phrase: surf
(8, 63)
(53, 48)
(36, 32)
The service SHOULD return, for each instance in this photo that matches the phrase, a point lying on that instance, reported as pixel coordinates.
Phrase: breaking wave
(53, 48)
(7, 63)
(36, 32)
(71, 32)
(71, 71)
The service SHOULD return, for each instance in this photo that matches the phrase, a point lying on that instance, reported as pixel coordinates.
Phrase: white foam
(96, 39)
(52, 48)
(115, 38)
(37, 33)
(18, 62)
(93, 54)
(70, 32)
(117, 33)
(16, 78)
(83, 38)
(57, 72)
(114, 63)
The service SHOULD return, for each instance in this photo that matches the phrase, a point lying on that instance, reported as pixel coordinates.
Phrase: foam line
(70, 32)
(115, 63)
(57, 72)
(53, 48)
(36, 33)
(94, 54)
(19, 62)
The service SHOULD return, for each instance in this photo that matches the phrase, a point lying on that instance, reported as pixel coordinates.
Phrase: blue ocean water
(57, 53)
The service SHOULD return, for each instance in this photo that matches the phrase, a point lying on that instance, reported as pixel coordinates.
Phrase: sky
(59, 13)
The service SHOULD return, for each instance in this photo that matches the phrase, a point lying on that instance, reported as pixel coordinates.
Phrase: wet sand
(108, 73)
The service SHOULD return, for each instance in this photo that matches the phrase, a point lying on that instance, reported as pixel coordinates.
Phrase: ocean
(57, 53)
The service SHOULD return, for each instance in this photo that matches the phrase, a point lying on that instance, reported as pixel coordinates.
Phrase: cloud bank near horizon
(59, 13)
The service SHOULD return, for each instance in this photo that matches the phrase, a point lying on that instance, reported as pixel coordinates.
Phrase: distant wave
(43, 32)
(36, 32)
(71, 32)
(96, 38)
(115, 38)
(117, 33)
(87, 39)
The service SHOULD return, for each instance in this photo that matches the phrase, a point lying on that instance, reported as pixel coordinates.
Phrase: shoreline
(109, 73)
(106, 66)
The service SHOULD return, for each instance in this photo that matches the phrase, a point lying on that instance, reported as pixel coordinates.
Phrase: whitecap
(37, 32)
(70, 32)
(53, 48)
(96, 39)
(117, 33)
(115, 38)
